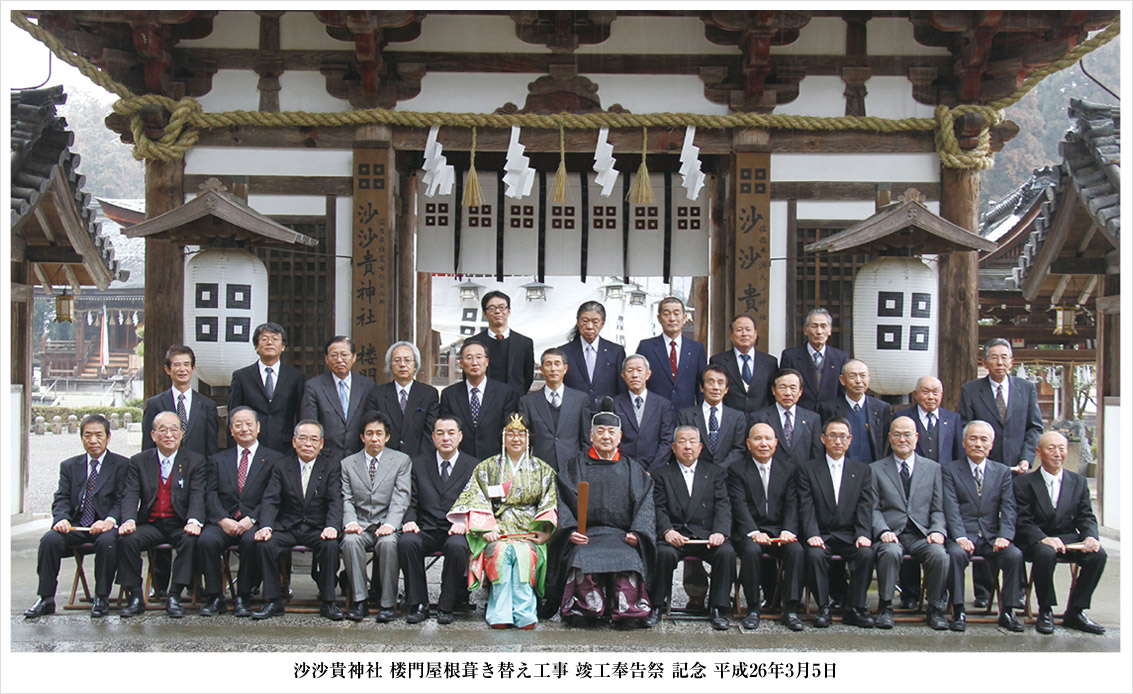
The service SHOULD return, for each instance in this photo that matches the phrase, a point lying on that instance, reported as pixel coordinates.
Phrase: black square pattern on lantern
(239, 296)
(207, 295)
(237, 329)
(889, 337)
(922, 305)
(466, 330)
(890, 304)
(918, 338)
(469, 315)
(207, 329)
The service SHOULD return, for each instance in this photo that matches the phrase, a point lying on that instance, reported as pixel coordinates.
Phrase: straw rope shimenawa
(187, 118)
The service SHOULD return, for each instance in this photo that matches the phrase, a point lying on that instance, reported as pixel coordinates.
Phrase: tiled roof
(40, 141)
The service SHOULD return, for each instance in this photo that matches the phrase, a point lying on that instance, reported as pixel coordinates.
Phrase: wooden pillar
(165, 275)
(1068, 387)
(958, 343)
(718, 271)
(23, 309)
(407, 299)
(752, 227)
(374, 295)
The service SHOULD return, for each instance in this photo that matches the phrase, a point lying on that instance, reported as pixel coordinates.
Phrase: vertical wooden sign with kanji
(372, 228)
(753, 238)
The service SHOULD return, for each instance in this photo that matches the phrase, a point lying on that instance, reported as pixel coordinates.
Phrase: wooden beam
(1038, 334)
(1077, 266)
(843, 190)
(958, 282)
(165, 274)
(1056, 356)
(1056, 295)
(282, 185)
(22, 292)
(1052, 246)
(45, 224)
(1087, 237)
(1084, 296)
(52, 254)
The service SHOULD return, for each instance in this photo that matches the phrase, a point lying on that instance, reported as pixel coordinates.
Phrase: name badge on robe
(496, 491)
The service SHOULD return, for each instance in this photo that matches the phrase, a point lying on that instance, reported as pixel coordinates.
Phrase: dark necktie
(474, 405)
(88, 497)
(638, 408)
(788, 428)
(818, 366)
(402, 400)
(1001, 403)
(446, 469)
(373, 469)
(269, 383)
(931, 423)
(906, 478)
(746, 373)
(181, 414)
(673, 357)
(242, 472)
(979, 481)
(713, 430)
(857, 408)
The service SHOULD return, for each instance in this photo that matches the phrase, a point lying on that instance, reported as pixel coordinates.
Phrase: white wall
(1116, 436)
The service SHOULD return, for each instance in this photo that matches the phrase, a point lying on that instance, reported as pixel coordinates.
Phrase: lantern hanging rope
(187, 117)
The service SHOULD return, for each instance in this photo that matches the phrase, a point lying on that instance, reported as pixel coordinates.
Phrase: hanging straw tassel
(641, 192)
(472, 195)
(559, 195)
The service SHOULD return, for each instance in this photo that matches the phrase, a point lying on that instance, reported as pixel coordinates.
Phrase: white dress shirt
(836, 468)
(1053, 485)
(689, 472)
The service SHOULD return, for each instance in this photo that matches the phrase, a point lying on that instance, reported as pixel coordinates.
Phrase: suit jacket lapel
(683, 497)
(889, 468)
(826, 483)
(989, 398)
(543, 410)
(969, 482)
(699, 487)
(103, 473)
(756, 482)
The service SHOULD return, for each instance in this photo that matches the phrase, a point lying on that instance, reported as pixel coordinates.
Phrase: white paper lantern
(226, 297)
(895, 322)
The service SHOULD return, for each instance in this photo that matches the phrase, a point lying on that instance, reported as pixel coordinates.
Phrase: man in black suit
(818, 363)
(271, 388)
(438, 479)
(302, 505)
(89, 496)
(979, 505)
(1009, 404)
(868, 416)
(675, 363)
(597, 361)
(340, 400)
(721, 427)
(749, 370)
(559, 417)
(796, 428)
(939, 431)
(690, 499)
(764, 495)
(939, 438)
(836, 500)
(163, 502)
(1057, 524)
(481, 403)
(411, 406)
(237, 478)
(511, 356)
(196, 412)
(647, 418)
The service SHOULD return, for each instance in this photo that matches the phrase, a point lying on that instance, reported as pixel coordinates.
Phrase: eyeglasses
(903, 435)
(837, 437)
(167, 430)
(403, 360)
(340, 356)
(308, 439)
(515, 434)
(496, 308)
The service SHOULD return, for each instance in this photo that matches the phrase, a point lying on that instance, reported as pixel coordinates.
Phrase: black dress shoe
(214, 606)
(859, 617)
(331, 611)
(959, 622)
(240, 607)
(936, 620)
(694, 605)
(791, 621)
(386, 614)
(822, 619)
(1007, 621)
(134, 606)
(980, 603)
(1079, 621)
(884, 618)
(835, 604)
(157, 594)
(719, 620)
(908, 602)
(173, 607)
(653, 619)
(271, 608)
(445, 618)
(751, 621)
(39, 608)
(358, 611)
(1045, 623)
(419, 614)
(100, 607)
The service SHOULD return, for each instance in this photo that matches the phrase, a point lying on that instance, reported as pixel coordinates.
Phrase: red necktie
(242, 472)
(673, 356)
